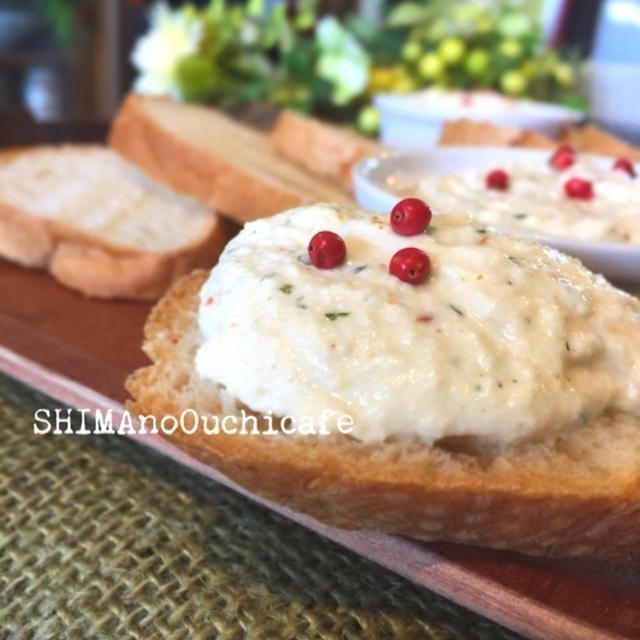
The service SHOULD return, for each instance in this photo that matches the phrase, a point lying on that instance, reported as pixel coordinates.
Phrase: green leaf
(407, 14)
(334, 315)
(216, 9)
(575, 101)
(251, 63)
(299, 62)
(255, 8)
(365, 30)
(61, 16)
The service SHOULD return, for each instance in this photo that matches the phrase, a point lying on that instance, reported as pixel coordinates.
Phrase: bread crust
(95, 266)
(534, 140)
(324, 149)
(589, 138)
(229, 188)
(539, 498)
(465, 131)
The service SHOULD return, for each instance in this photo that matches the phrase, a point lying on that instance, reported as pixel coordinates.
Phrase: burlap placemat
(100, 538)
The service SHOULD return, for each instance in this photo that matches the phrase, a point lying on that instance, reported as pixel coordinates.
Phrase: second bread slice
(200, 151)
(99, 224)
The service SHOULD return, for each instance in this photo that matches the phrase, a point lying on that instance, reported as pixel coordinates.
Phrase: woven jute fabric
(101, 538)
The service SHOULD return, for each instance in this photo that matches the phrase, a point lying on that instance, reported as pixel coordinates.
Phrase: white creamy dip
(506, 339)
(536, 200)
(480, 103)
(479, 100)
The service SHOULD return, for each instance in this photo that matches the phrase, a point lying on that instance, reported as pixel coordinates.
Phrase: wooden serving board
(79, 351)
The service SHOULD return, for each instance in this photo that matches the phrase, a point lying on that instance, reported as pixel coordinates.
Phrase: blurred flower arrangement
(231, 54)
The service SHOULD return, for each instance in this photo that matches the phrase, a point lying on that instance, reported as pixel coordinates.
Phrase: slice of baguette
(591, 139)
(200, 151)
(464, 131)
(321, 148)
(99, 224)
(577, 495)
(534, 140)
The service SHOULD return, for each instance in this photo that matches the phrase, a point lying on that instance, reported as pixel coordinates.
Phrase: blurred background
(73, 60)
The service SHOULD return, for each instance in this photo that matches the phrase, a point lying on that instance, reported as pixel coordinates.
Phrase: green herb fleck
(457, 310)
(519, 216)
(267, 275)
(334, 315)
(362, 267)
(566, 344)
(299, 302)
(286, 288)
(481, 230)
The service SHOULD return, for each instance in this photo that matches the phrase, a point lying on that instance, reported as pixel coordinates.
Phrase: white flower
(342, 61)
(173, 35)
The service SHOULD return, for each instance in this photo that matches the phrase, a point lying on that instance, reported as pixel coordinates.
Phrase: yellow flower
(510, 48)
(529, 68)
(513, 82)
(563, 73)
(451, 50)
(368, 119)
(388, 78)
(380, 79)
(430, 66)
(411, 51)
(477, 62)
(172, 36)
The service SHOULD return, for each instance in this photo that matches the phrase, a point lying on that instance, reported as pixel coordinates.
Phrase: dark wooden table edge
(413, 562)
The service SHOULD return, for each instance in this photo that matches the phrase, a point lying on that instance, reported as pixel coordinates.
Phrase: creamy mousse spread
(479, 104)
(536, 200)
(474, 101)
(505, 340)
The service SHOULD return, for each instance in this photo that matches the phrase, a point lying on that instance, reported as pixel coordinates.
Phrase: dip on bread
(505, 340)
(536, 199)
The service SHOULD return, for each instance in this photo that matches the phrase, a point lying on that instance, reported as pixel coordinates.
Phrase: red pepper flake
(483, 240)
(209, 301)
(424, 317)
(174, 340)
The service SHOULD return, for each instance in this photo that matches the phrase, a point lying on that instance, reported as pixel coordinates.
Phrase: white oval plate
(374, 177)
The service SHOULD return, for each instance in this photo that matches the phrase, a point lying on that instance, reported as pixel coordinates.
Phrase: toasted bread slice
(464, 131)
(591, 139)
(576, 495)
(99, 224)
(534, 140)
(322, 148)
(202, 152)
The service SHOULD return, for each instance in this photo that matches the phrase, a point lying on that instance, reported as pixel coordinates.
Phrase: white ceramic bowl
(406, 122)
(374, 180)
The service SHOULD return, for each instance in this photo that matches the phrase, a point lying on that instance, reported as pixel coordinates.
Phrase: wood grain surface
(80, 351)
